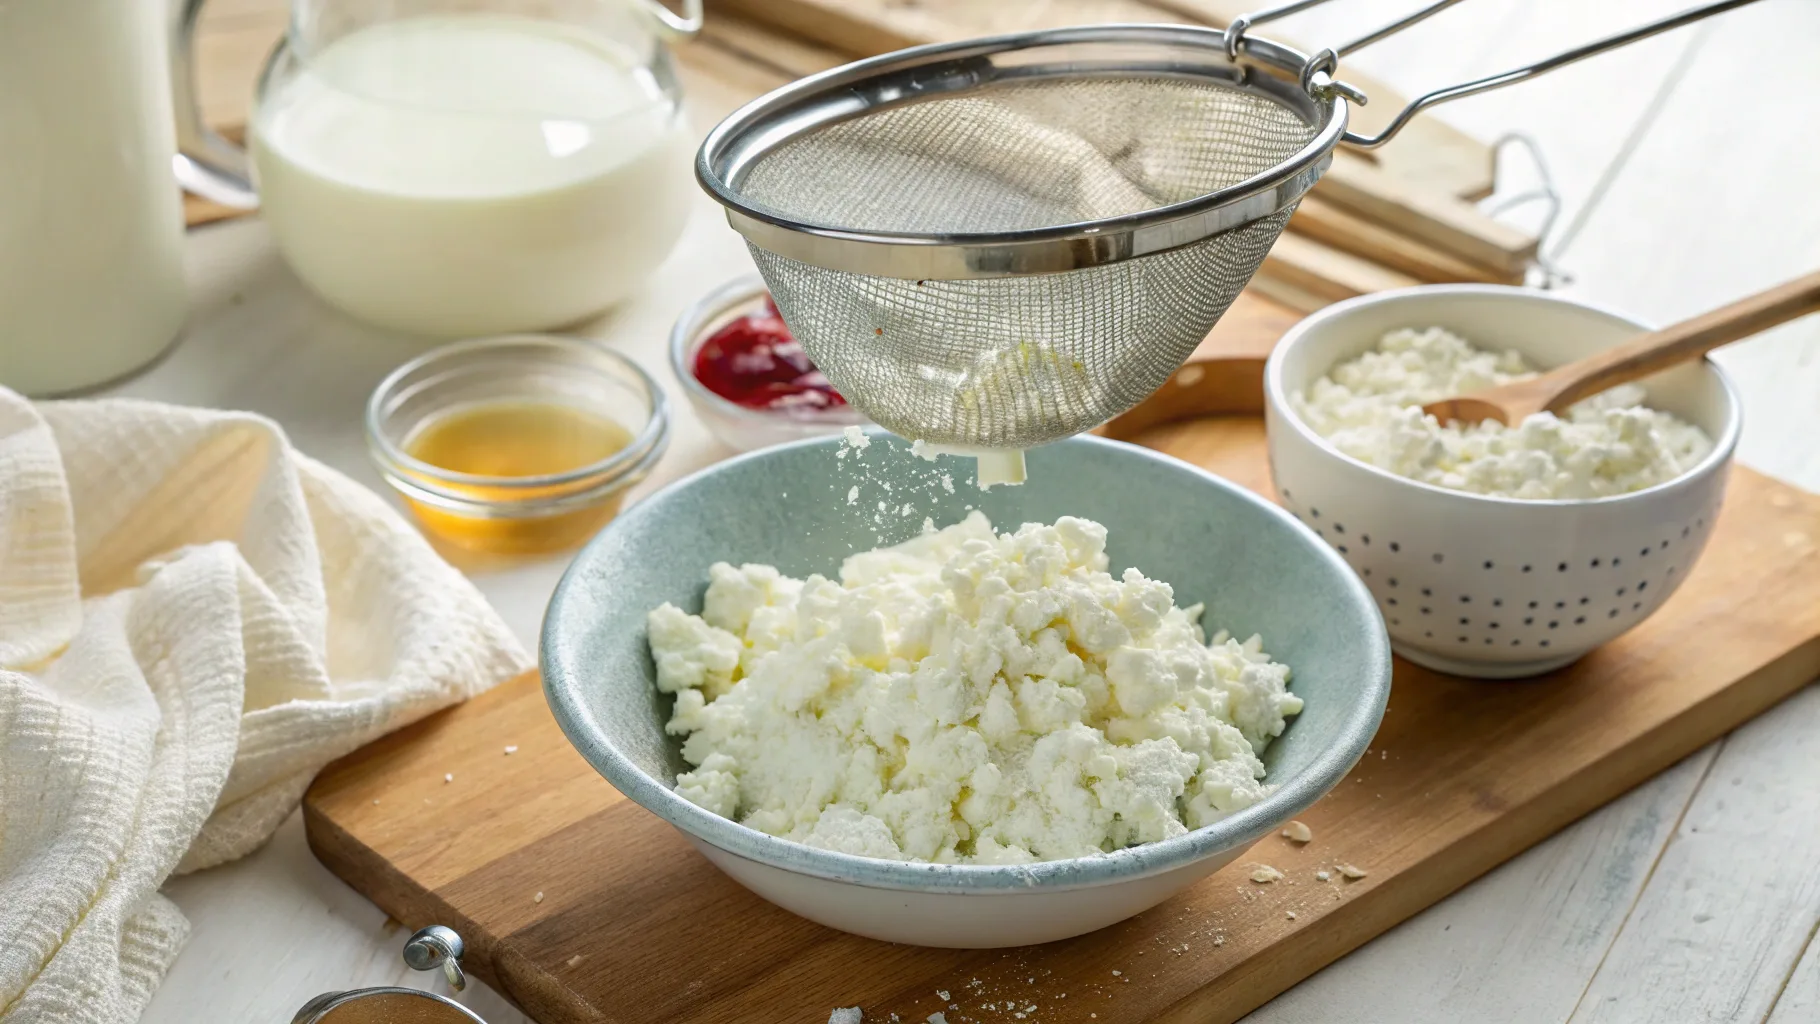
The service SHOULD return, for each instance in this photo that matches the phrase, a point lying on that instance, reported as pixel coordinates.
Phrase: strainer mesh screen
(1023, 360)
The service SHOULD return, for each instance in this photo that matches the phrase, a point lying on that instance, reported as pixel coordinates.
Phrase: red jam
(753, 361)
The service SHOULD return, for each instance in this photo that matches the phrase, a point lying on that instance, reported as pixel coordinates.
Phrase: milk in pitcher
(91, 222)
(472, 174)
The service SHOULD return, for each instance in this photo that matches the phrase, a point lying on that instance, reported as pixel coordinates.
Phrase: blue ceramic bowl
(1256, 569)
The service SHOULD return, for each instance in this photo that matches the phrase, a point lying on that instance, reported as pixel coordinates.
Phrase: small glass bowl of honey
(516, 445)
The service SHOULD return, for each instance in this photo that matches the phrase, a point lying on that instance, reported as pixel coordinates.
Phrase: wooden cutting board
(580, 906)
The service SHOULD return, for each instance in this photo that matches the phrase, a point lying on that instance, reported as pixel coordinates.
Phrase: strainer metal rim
(878, 82)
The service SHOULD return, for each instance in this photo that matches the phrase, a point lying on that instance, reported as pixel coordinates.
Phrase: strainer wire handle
(1317, 73)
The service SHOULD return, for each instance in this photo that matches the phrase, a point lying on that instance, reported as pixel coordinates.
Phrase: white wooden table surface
(1688, 166)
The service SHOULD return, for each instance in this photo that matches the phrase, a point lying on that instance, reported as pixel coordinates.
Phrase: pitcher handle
(675, 28)
(206, 164)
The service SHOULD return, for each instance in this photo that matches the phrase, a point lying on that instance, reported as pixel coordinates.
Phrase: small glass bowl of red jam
(747, 378)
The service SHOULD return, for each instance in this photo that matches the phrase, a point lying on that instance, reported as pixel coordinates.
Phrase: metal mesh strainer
(1002, 242)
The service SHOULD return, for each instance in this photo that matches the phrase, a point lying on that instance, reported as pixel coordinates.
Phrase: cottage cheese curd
(1370, 409)
(966, 696)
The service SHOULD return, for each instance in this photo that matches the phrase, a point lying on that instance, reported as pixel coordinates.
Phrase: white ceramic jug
(91, 224)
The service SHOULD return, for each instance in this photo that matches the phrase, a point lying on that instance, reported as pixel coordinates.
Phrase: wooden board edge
(387, 887)
(1502, 838)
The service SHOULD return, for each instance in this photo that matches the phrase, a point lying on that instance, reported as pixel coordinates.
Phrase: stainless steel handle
(1317, 73)
(206, 163)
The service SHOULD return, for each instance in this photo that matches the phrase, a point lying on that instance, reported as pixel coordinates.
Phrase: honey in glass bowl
(517, 446)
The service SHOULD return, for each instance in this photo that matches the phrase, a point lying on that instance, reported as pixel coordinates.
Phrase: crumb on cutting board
(1264, 874)
(1296, 832)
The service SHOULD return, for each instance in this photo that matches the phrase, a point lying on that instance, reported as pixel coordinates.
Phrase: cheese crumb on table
(966, 697)
(846, 1015)
(537, 898)
(1370, 409)
(511, 750)
(1264, 874)
(1350, 873)
(1296, 832)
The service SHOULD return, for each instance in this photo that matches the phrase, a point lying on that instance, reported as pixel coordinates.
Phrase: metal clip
(435, 947)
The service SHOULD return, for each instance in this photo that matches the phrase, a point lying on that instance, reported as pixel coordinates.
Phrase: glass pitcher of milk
(465, 167)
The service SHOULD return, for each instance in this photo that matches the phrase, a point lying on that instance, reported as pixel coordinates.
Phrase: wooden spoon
(1639, 357)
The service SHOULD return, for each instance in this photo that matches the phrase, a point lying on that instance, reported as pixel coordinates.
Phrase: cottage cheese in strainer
(1371, 409)
(966, 696)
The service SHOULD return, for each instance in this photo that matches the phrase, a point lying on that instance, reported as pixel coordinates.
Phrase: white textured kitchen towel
(194, 618)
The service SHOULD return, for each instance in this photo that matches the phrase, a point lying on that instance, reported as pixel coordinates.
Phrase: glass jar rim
(306, 54)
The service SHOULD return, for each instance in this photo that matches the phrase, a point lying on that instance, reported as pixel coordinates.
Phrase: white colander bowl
(1496, 587)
